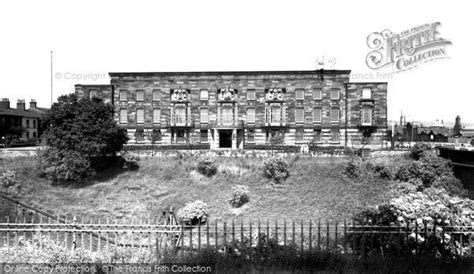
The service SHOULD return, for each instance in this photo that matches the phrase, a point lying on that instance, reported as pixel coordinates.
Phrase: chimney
(5, 103)
(20, 104)
(33, 103)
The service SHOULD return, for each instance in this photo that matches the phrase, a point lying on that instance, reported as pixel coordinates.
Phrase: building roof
(435, 130)
(18, 112)
(232, 73)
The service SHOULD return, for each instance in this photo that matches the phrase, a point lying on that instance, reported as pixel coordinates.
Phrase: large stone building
(246, 108)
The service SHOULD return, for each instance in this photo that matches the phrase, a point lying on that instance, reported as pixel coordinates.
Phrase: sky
(91, 38)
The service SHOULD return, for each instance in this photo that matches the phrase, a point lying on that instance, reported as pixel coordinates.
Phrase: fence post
(310, 236)
(8, 233)
(250, 232)
(416, 236)
(82, 232)
(242, 233)
(293, 236)
(74, 222)
(327, 235)
(284, 232)
(199, 235)
(207, 233)
(276, 231)
(335, 235)
(216, 235)
(65, 232)
(302, 237)
(224, 239)
(191, 238)
(98, 235)
(233, 231)
(345, 235)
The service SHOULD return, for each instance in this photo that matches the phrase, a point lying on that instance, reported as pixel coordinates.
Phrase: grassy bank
(315, 189)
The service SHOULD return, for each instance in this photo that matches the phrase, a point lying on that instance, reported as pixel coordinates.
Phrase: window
(93, 93)
(366, 116)
(156, 116)
(140, 95)
(156, 95)
(123, 116)
(366, 93)
(317, 94)
(34, 134)
(123, 95)
(34, 123)
(317, 135)
(334, 94)
(299, 115)
(318, 115)
(27, 134)
(204, 115)
(299, 135)
(299, 94)
(27, 123)
(204, 94)
(140, 134)
(335, 135)
(251, 116)
(140, 116)
(227, 114)
(180, 135)
(251, 94)
(204, 136)
(250, 135)
(334, 115)
(276, 134)
(180, 116)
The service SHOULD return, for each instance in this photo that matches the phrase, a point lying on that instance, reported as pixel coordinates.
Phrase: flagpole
(51, 78)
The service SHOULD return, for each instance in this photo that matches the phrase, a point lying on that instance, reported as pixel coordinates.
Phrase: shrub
(130, 162)
(383, 170)
(417, 149)
(239, 196)
(451, 184)
(65, 165)
(207, 167)
(276, 169)
(352, 169)
(8, 178)
(193, 213)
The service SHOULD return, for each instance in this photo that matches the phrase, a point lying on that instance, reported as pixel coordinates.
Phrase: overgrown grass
(316, 188)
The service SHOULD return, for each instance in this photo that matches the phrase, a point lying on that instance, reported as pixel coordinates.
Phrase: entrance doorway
(225, 138)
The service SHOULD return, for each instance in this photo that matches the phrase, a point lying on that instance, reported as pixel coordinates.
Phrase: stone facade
(240, 109)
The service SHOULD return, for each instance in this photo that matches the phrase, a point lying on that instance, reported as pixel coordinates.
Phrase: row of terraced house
(244, 108)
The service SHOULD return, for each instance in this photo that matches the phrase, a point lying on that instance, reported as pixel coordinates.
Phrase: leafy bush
(207, 167)
(276, 169)
(383, 170)
(239, 196)
(65, 165)
(193, 213)
(352, 169)
(426, 170)
(130, 162)
(417, 149)
(8, 178)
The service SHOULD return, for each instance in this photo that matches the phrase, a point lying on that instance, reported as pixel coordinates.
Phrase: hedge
(166, 147)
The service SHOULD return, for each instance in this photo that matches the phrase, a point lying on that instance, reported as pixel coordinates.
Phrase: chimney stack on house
(20, 104)
(33, 103)
(5, 103)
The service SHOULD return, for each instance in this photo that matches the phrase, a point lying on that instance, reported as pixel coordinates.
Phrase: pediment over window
(180, 95)
(227, 94)
(274, 94)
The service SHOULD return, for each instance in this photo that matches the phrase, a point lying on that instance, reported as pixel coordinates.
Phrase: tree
(83, 128)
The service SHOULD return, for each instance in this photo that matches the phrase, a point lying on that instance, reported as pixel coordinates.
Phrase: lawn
(316, 188)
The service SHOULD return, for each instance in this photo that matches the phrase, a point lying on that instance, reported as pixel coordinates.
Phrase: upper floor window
(299, 94)
(366, 93)
(204, 94)
(334, 94)
(204, 116)
(140, 95)
(251, 115)
(227, 114)
(123, 95)
(251, 94)
(317, 94)
(93, 94)
(140, 116)
(179, 115)
(156, 115)
(299, 115)
(366, 116)
(334, 115)
(123, 116)
(317, 115)
(34, 123)
(156, 95)
(27, 123)
(274, 114)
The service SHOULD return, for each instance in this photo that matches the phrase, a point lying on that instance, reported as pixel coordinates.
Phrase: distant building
(20, 123)
(245, 108)
(462, 134)
(415, 132)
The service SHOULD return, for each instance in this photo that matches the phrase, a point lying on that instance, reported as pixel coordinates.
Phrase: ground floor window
(251, 135)
(180, 136)
(299, 135)
(317, 135)
(204, 136)
(140, 135)
(275, 134)
(335, 135)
